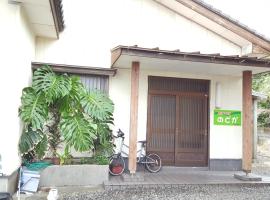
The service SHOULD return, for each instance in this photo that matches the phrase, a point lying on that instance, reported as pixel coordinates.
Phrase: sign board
(227, 117)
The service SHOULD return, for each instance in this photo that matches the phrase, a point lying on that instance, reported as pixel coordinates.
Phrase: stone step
(129, 185)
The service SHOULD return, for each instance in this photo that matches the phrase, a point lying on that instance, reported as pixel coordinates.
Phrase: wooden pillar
(247, 121)
(132, 164)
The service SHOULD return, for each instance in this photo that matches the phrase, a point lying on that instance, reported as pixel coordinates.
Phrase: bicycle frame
(140, 153)
(152, 162)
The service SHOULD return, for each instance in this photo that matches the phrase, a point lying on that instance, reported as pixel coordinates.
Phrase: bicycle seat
(120, 133)
(143, 141)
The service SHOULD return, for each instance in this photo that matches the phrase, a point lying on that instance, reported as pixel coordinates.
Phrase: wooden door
(177, 122)
(161, 122)
(191, 144)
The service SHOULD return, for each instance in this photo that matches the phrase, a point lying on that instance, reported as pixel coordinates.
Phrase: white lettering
(234, 120)
(220, 119)
(227, 120)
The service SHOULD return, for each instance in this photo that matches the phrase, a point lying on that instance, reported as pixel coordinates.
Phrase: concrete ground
(185, 192)
(62, 191)
(194, 192)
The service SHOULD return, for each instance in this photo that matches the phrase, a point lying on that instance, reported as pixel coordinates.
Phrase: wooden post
(132, 164)
(247, 121)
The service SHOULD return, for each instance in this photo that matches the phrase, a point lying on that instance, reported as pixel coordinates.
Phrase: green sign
(227, 117)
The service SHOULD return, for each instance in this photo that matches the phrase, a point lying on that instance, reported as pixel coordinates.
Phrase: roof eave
(185, 56)
(220, 19)
(76, 69)
(57, 11)
(229, 23)
(258, 95)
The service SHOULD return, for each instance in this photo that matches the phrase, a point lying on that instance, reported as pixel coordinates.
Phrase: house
(178, 71)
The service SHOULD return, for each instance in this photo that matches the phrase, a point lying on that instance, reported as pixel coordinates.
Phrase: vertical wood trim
(149, 120)
(177, 127)
(208, 127)
(208, 123)
(247, 121)
(132, 164)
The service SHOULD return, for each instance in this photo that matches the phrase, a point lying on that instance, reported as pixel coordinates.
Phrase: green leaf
(97, 105)
(77, 88)
(104, 133)
(71, 101)
(34, 110)
(42, 147)
(29, 139)
(78, 132)
(52, 85)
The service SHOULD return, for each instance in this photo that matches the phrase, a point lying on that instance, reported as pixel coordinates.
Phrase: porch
(161, 87)
(174, 177)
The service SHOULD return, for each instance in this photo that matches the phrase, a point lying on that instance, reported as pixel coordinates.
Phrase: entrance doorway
(177, 121)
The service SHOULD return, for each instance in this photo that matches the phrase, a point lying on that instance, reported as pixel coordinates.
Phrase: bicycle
(152, 162)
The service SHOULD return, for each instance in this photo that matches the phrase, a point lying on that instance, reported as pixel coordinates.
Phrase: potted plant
(53, 133)
(59, 109)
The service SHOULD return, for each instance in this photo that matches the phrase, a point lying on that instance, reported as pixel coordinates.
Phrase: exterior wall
(17, 49)
(101, 25)
(225, 141)
(87, 40)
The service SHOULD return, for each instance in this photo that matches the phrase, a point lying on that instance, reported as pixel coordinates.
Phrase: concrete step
(140, 186)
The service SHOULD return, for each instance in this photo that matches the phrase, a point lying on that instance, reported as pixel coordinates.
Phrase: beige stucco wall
(93, 28)
(225, 141)
(17, 49)
(99, 26)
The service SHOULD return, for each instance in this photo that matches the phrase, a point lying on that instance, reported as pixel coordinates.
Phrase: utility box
(29, 180)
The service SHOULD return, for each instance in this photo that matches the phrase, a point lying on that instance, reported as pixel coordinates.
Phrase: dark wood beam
(76, 69)
(247, 121)
(132, 162)
(57, 12)
(115, 55)
(258, 49)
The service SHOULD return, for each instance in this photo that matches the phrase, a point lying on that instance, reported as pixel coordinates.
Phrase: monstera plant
(59, 106)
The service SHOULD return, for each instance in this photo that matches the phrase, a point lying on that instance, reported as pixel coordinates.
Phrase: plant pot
(56, 161)
(74, 175)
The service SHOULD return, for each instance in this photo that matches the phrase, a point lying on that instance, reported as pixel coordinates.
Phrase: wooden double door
(177, 124)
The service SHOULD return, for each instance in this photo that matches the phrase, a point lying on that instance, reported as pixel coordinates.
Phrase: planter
(56, 161)
(74, 175)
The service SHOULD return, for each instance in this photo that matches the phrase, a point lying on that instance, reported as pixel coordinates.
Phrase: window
(96, 82)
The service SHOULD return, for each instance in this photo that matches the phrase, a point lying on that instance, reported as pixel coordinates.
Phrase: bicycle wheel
(116, 165)
(153, 163)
